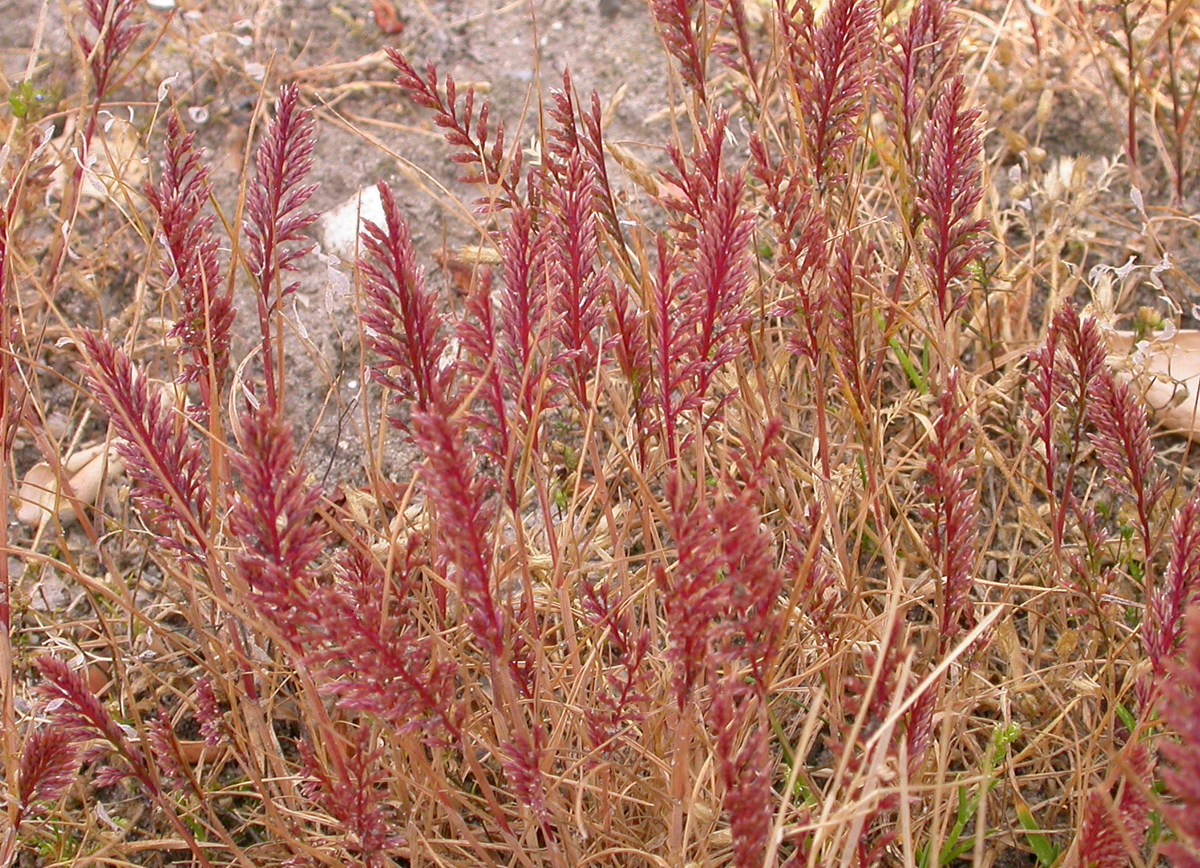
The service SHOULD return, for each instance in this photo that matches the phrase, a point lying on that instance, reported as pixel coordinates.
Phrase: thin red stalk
(1132, 69)
(11, 401)
(1173, 89)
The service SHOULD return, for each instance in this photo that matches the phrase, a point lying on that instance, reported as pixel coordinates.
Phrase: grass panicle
(191, 264)
(276, 220)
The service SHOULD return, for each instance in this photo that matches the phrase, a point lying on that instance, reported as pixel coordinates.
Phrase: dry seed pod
(86, 470)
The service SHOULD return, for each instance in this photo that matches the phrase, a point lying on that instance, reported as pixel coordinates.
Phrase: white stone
(339, 226)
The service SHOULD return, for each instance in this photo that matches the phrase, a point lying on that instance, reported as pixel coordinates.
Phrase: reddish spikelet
(115, 28)
(697, 314)
(278, 194)
(209, 714)
(49, 765)
(1120, 430)
(521, 757)
(505, 338)
(1061, 375)
(1043, 395)
(453, 487)
(843, 324)
(620, 705)
(670, 342)
(478, 363)
(401, 319)
(76, 710)
(579, 135)
(696, 179)
(564, 141)
(466, 132)
(1113, 830)
(718, 603)
(164, 748)
(1122, 439)
(376, 658)
(1177, 592)
(807, 563)
(631, 346)
(191, 263)
(800, 234)
(831, 66)
(524, 309)
(696, 596)
(951, 514)
(578, 283)
(1181, 710)
(746, 771)
(593, 146)
(582, 132)
(353, 793)
(743, 60)
(170, 470)
(720, 608)
(680, 26)
(869, 702)
(1084, 353)
(923, 52)
(918, 727)
(950, 188)
(273, 515)
(722, 278)
(276, 216)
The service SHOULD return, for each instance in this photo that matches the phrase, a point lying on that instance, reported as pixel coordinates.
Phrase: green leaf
(1046, 853)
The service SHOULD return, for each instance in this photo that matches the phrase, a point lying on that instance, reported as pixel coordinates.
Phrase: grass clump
(780, 502)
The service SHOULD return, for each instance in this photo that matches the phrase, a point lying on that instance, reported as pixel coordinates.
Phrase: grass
(772, 495)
